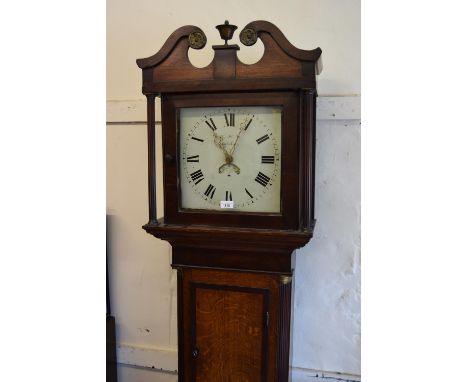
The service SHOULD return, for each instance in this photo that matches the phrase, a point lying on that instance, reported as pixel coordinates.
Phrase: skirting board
(158, 359)
(328, 108)
(311, 375)
(166, 360)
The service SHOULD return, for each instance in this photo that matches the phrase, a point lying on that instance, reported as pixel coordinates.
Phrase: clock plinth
(239, 159)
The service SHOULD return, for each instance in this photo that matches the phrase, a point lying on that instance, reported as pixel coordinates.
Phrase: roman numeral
(198, 139)
(248, 193)
(197, 176)
(210, 191)
(270, 159)
(231, 121)
(262, 139)
(262, 179)
(193, 158)
(248, 124)
(228, 196)
(211, 124)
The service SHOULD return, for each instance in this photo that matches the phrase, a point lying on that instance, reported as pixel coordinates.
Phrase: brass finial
(226, 31)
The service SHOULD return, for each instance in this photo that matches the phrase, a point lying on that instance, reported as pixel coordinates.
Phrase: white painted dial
(230, 154)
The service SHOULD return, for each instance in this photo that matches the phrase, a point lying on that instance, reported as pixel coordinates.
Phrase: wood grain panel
(209, 331)
(230, 333)
(244, 321)
(252, 280)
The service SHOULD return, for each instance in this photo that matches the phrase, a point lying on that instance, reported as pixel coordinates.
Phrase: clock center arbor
(238, 180)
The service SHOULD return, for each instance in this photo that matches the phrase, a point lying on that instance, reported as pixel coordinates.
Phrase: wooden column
(180, 326)
(151, 157)
(308, 103)
(284, 327)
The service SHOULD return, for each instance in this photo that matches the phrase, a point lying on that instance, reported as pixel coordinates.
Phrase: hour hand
(218, 140)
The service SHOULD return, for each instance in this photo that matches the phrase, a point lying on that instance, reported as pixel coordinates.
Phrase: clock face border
(288, 218)
(253, 186)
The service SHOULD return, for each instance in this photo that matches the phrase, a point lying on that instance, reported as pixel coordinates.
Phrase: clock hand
(218, 140)
(237, 139)
(228, 156)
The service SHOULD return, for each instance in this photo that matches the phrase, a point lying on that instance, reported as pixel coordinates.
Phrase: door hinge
(267, 319)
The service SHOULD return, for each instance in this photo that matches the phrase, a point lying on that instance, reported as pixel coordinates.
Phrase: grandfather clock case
(233, 234)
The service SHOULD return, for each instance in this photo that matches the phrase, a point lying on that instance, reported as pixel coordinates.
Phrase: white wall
(326, 328)
(327, 295)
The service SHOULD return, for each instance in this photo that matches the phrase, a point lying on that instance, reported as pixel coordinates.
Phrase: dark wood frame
(289, 216)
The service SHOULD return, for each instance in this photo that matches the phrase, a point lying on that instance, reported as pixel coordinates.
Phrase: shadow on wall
(111, 354)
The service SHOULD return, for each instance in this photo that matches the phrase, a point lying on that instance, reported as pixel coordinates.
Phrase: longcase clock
(238, 176)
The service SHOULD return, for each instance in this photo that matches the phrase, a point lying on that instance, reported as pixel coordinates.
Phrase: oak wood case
(234, 268)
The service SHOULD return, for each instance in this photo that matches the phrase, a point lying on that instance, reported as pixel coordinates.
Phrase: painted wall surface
(326, 334)
(326, 327)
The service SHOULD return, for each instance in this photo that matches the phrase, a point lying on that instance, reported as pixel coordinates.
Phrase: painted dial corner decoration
(230, 158)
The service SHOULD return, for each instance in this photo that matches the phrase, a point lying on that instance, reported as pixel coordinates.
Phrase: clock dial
(230, 158)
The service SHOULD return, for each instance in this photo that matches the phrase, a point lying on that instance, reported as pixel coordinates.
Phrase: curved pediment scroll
(282, 65)
(196, 40)
(260, 28)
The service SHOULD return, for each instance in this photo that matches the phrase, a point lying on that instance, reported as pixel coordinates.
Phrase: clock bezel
(288, 218)
(202, 202)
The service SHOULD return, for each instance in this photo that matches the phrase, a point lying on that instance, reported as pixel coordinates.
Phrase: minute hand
(218, 140)
(237, 139)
